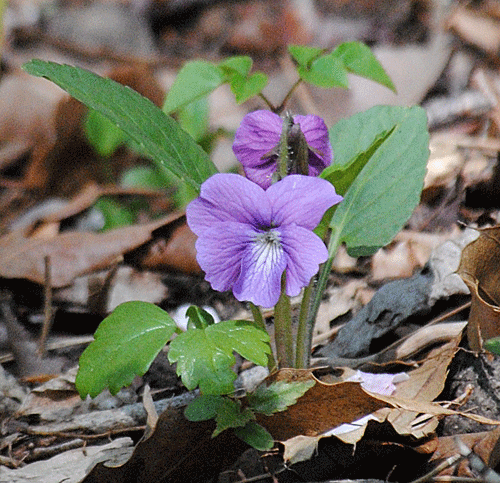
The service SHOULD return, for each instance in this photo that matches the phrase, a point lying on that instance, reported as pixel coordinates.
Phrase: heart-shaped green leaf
(125, 345)
(195, 80)
(385, 192)
(359, 59)
(204, 356)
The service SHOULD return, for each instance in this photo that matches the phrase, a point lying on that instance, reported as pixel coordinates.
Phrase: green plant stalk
(333, 247)
(283, 328)
(302, 354)
(259, 322)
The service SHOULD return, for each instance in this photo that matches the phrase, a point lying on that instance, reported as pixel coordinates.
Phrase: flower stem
(333, 246)
(267, 101)
(303, 350)
(259, 322)
(280, 108)
(283, 328)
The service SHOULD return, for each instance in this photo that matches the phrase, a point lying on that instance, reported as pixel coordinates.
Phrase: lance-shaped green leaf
(205, 356)
(277, 396)
(157, 134)
(125, 345)
(102, 134)
(385, 192)
(359, 59)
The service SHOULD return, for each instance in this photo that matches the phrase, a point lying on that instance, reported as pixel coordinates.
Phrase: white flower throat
(267, 247)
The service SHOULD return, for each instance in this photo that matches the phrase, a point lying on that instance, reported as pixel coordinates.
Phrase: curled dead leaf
(479, 269)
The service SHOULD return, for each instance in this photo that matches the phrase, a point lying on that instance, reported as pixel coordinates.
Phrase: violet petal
(258, 134)
(304, 251)
(228, 197)
(219, 252)
(316, 134)
(302, 200)
(261, 268)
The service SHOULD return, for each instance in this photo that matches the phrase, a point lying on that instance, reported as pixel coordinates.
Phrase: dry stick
(47, 309)
(447, 463)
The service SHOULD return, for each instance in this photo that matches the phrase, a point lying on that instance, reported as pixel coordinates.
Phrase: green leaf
(256, 436)
(115, 214)
(193, 118)
(195, 80)
(157, 134)
(303, 54)
(385, 192)
(125, 345)
(277, 396)
(230, 414)
(142, 177)
(103, 135)
(200, 318)
(492, 345)
(245, 88)
(241, 64)
(203, 407)
(204, 356)
(326, 71)
(243, 85)
(343, 175)
(359, 59)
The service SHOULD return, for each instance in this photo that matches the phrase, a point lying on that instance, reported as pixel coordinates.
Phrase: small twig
(476, 463)
(447, 463)
(64, 434)
(47, 308)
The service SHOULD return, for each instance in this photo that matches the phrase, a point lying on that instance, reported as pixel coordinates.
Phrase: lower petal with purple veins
(304, 251)
(219, 253)
(262, 265)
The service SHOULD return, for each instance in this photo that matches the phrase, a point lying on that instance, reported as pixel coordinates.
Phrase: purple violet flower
(248, 236)
(257, 138)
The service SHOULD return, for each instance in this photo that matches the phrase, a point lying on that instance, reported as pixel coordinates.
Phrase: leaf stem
(333, 247)
(279, 109)
(267, 101)
(303, 344)
(283, 328)
(259, 322)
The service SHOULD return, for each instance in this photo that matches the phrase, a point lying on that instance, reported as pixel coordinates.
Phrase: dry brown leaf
(424, 384)
(173, 247)
(27, 106)
(477, 29)
(67, 162)
(71, 254)
(321, 408)
(480, 270)
(396, 261)
(178, 450)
